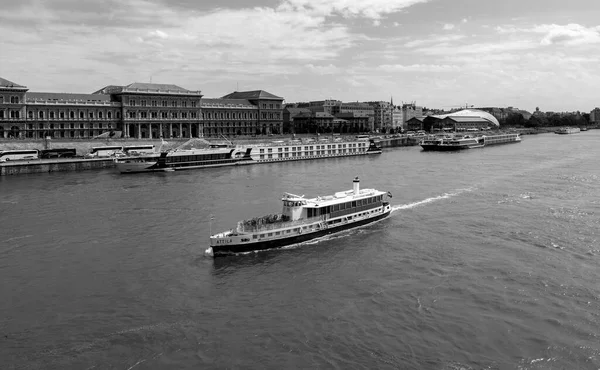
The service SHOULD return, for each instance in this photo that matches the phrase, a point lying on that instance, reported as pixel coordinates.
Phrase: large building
(466, 119)
(138, 110)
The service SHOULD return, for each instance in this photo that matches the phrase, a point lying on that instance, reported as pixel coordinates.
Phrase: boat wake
(432, 199)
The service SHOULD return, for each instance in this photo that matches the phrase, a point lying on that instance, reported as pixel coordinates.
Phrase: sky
(437, 53)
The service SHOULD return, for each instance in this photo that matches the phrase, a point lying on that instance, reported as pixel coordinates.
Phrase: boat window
(270, 234)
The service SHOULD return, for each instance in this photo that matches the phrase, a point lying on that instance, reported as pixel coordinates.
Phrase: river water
(490, 260)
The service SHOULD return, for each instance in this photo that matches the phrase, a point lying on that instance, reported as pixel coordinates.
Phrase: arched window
(41, 114)
(71, 114)
(30, 114)
(100, 115)
(81, 115)
(109, 115)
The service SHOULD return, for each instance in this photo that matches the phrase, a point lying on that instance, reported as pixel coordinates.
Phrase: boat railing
(243, 227)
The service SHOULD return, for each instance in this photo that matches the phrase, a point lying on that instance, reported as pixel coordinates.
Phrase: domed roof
(473, 113)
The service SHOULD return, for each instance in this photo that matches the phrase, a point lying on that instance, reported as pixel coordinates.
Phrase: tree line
(546, 120)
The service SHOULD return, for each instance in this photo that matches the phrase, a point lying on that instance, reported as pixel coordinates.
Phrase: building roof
(6, 84)
(470, 113)
(208, 102)
(467, 119)
(155, 87)
(147, 88)
(64, 97)
(421, 119)
(295, 111)
(252, 95)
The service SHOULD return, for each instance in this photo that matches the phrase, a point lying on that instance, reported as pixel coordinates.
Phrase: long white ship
(304, 219)
(218, 155)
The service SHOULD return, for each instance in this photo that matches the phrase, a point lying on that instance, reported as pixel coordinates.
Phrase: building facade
(410, 110)
(138, 110)
(595, 116)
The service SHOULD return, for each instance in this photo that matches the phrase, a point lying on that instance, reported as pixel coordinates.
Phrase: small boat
(304, 219)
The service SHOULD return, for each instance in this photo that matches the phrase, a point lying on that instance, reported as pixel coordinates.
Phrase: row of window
(13, 100)
(164, 103)
(72, 115)
(307, 228)
(271, 106)
(318, 152)
(230, 115)
(318, 147)
(52, 126)
(269, 115)
(162, 115)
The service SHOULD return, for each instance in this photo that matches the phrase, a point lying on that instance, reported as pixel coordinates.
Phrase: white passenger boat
(304, 219)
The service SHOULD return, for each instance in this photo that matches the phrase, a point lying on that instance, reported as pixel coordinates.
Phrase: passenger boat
(304, 219)
(468, 142)
(567, 130)
(214, 156)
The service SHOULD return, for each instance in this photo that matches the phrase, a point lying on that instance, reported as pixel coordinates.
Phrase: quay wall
(85, 146)
(54, 165)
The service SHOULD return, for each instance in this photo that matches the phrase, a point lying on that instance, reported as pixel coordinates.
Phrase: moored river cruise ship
(304, 219)
(226, 155)
(458, 142)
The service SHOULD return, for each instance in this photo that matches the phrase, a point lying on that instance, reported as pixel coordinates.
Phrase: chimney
(356, 185)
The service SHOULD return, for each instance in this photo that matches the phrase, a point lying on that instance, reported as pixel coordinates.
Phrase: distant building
(595, 116)
(414, 124)
(397, 119)
(460, 121)
(410, 110)
(382, 114)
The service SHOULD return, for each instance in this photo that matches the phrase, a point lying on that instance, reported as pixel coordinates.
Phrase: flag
(389, 194)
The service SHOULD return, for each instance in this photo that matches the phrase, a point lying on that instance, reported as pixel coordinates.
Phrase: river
(490, 260)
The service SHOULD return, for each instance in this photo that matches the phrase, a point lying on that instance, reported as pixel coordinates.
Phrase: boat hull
(229, 249)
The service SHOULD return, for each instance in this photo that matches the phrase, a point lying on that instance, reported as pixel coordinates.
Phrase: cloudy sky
(439, 53)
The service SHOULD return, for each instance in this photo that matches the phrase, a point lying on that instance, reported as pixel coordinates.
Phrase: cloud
(448, 27)
(570, 34)
(418, 68)
(554, 34)
(373, 9)
(434, 40)
(322, 70)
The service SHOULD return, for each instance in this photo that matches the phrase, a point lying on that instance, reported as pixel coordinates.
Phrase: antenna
(237, 86)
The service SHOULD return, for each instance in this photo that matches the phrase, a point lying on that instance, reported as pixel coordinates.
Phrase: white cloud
(570, 34)
(448, 27)
(322, 70)
(434, 40)
(373, 9)
(553, 34)
(418, 68)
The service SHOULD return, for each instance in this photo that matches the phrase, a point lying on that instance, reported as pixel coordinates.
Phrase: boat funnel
(356, 185)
